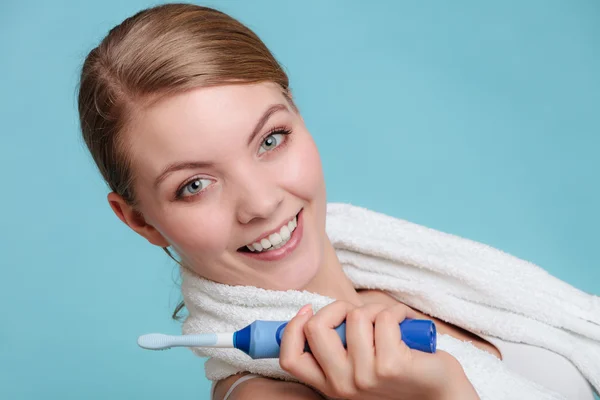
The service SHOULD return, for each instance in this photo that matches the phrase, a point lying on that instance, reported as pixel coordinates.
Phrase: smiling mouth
(273, 241)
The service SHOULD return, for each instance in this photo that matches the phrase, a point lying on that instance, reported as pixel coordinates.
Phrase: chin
(298, 279)
(302, 272)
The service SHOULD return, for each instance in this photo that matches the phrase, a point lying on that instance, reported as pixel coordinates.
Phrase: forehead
(208, 109)
(196, 124)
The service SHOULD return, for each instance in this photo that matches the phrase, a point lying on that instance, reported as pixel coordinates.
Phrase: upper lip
(275, 230)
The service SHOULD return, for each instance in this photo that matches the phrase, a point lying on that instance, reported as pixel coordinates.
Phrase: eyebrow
(178, 166)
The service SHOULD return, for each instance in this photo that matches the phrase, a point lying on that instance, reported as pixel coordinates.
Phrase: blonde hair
(156, 53)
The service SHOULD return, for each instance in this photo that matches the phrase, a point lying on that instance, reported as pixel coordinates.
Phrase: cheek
(303, 173)
(195, 233)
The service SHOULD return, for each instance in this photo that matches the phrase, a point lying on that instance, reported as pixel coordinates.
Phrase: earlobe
(135, 220)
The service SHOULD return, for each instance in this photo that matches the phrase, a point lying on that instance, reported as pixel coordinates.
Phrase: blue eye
(193, 187)
(271, 141)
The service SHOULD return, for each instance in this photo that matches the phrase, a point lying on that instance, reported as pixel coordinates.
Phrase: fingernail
(305, 309)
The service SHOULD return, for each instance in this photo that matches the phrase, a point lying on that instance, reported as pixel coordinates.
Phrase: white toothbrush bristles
(159, 341)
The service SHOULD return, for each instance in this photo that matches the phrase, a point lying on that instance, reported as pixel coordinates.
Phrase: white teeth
(285, 233)
(275, 240)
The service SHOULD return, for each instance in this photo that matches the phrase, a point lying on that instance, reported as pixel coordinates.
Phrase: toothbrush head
(155, 341)
(159, 341)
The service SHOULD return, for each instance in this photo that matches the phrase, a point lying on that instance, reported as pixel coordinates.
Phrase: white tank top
(545, 367)
(539, 365)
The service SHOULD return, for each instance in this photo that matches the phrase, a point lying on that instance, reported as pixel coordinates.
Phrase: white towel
(460, 281)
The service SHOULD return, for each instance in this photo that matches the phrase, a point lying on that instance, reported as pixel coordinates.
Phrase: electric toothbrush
(262, 339)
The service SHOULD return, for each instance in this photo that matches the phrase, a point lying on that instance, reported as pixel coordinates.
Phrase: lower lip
(287, 249)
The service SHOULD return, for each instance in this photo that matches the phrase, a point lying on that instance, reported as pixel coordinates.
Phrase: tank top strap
(233, 386)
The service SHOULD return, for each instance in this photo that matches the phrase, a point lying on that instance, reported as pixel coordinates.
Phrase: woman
(192, 124)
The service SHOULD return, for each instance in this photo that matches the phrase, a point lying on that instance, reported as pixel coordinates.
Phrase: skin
(250, 186)
(248, 191)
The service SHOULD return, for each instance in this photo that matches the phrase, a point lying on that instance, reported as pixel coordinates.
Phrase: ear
(135, 220)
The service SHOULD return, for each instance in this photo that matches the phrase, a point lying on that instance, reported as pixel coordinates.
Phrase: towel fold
(463, 282)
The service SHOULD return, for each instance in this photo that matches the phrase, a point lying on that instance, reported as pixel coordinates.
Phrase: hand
(376, 363)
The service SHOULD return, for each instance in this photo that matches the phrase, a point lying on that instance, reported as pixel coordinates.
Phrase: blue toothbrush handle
(417, 334)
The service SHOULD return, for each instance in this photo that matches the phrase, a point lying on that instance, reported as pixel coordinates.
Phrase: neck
(331, 281)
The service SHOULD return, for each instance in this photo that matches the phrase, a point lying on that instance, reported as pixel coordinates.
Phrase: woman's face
(220, 168)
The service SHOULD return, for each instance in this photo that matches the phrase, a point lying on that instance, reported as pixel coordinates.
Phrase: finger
(324, 342)
(360, 343)
(292, 357)
(391, 354)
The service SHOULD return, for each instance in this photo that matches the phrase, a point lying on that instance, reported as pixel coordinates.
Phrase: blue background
(476, 118)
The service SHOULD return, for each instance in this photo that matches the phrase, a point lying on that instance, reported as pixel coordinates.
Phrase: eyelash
(278, 130)
(281, 130)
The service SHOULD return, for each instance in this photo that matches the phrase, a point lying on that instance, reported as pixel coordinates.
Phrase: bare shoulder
(264, 387)
(377, 296)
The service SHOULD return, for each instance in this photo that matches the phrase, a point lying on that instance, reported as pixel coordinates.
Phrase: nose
(258, 198)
